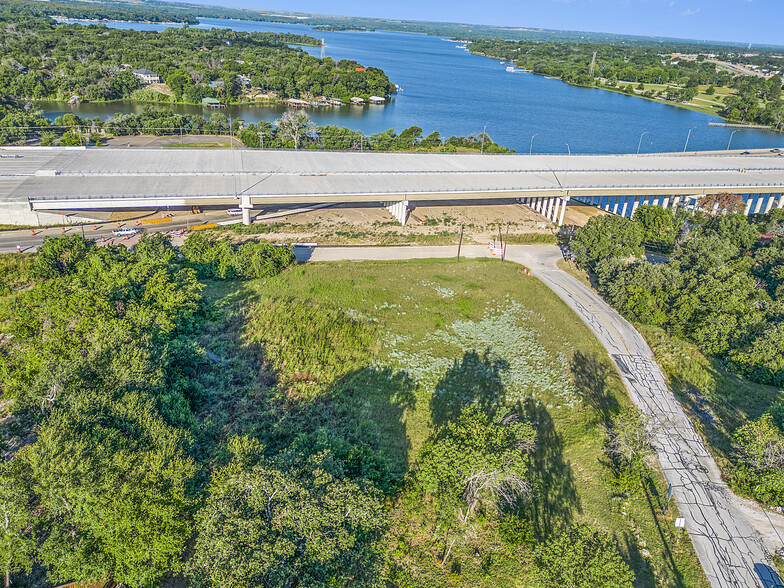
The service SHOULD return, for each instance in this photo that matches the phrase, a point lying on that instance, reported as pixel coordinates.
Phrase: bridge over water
(36, 182)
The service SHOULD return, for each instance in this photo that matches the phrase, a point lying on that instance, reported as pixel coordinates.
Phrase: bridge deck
(85, 178)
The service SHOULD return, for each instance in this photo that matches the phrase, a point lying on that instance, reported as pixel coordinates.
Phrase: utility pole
(460, 241)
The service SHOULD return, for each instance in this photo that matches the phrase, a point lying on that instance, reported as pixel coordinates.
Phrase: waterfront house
(211, 103)
(297, 103)
(377, 100)
(215, 84)
(356, 101)
(146, 76)
(244, 80)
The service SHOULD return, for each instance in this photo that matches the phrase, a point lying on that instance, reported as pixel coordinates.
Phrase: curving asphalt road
(731, 536)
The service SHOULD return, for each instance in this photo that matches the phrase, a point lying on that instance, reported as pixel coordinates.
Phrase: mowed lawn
(397, 348)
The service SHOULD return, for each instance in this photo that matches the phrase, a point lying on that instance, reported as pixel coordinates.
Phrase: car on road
(125, 232)
(234, 211)
(746, 153)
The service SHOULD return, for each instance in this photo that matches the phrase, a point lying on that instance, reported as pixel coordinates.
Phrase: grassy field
(384, 352)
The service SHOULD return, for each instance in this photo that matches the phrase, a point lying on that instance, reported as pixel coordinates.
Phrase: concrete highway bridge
(37, 183)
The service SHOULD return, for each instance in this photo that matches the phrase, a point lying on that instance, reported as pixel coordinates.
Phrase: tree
(734, 228)
(657, 224)
(17, 545)
(109, 480)
(262, 526)
(724, 203)
(476, 459)
(581, 557)
(605, 237)
(294, 125)
(760, 468)
(629, 445)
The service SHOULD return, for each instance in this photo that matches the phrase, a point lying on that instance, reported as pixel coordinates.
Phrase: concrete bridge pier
(246, 206)
(399, 210)
(552, 208)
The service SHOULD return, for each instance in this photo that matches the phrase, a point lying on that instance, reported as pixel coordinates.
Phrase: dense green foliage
(93, 11)
(261, 526)
(219, 258)
(95, 62)
(582, 557)
(606, 237)
(97, 354)
(758, 99)
(478, 460)
(721, 289)
(760, 468)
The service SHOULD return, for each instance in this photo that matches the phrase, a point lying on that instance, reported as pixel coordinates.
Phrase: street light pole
(483, 138)
(569, 149)
(687, 139)
(640, 143)
(532, 144)
(730, 141)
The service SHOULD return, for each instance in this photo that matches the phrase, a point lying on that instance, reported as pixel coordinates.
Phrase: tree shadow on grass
(591, 375)
(555, 498)
(360, 415)
(473, 380)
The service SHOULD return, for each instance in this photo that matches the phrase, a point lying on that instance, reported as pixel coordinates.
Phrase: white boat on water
(460, 46)
(510, 68)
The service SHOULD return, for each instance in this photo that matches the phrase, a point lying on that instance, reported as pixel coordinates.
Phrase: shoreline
(683, 105)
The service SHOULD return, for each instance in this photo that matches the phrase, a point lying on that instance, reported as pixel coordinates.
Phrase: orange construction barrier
(157, 221)
(205, 226)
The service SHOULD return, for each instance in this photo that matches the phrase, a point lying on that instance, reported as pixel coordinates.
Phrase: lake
(448, 90)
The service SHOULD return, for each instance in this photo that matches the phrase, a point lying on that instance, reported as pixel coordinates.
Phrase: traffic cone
(95, 227)
(63, 229)
(33, 232)
(18, 249)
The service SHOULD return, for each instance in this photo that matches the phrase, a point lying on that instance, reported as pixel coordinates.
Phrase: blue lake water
(448, 90)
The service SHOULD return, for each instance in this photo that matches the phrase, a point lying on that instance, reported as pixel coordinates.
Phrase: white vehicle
(234, 211)
(125, 232)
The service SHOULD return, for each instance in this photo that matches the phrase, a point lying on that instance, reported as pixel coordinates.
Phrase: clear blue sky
(744, 21)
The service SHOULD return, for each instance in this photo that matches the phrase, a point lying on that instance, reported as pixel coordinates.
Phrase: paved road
(727, 532)
(731, 536)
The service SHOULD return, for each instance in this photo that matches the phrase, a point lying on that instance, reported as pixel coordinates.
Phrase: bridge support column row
(553, 209)
(399, 210)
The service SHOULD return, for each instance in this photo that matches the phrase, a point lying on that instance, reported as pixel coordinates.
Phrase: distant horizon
(738, 22)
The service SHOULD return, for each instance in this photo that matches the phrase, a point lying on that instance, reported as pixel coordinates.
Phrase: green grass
(383, 351)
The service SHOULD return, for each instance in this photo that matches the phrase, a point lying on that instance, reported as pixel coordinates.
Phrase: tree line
(294, 130)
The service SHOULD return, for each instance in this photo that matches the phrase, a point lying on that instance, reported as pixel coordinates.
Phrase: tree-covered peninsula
(46, 60)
